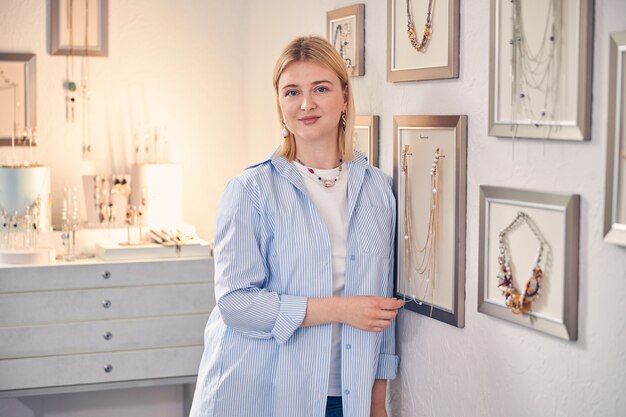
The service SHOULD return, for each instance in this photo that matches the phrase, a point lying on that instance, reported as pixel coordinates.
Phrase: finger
(382, 324)
(391, 303)
(387, 314)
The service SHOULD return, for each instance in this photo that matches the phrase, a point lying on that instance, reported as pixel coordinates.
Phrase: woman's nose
(307, 103)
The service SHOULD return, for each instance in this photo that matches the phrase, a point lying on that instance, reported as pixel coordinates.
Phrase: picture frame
(366, 137)
(17, 96)
(615, 192)
(345, 29)
(540, 84)
(556, 217)
(79, 27)
(440, 60)
(416, 139)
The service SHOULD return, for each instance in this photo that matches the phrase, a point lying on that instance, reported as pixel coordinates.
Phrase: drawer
(101, 336)
(102, 304)
(97, 368)
(101, 274)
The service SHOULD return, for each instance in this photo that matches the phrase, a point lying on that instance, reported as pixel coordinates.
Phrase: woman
(303, 264)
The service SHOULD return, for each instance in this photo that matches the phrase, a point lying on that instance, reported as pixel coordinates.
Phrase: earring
(343, 120)
(284, 132)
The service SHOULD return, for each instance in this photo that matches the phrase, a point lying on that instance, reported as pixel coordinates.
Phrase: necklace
(341, 39)
(518, 302)
(535, 74)
(419, 46)
(422, 260)
(326, 182)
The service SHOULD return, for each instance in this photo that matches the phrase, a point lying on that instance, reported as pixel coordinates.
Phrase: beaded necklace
(518, 302)
(326, 182)
(419, 46)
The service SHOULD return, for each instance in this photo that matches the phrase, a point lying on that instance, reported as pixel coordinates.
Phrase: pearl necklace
(518, 302)
(326, 182)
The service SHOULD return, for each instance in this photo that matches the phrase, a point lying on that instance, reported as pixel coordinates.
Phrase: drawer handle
(106, 274)
(108, 368)
(106, 303)
(107, 335)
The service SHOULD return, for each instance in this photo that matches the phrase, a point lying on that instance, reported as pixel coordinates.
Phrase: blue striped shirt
(272, 253)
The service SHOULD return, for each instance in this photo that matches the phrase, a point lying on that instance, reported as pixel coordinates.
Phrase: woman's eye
(322, 89)
(291, 93)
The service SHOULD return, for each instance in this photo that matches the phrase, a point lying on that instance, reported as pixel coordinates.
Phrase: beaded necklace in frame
(519, 303)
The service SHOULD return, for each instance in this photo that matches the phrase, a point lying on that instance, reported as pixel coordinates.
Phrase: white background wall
(205, 67)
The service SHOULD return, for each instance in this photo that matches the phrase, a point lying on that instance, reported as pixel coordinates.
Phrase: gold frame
(356, 12)
(425, 71)
(370, 124)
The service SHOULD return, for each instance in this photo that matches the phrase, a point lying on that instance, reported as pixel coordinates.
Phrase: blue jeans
(334, 407)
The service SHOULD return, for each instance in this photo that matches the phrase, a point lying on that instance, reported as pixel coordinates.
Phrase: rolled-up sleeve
(241, 273)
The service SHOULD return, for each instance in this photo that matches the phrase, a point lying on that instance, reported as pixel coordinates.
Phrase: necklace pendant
(328, 183)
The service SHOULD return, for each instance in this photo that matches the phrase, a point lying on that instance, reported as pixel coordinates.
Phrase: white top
(332, 204)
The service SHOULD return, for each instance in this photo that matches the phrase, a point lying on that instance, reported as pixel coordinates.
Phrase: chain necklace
(326, 182)
(535, 74)
(419, 46)
(341, 39)
(422, 260)
(518, 302)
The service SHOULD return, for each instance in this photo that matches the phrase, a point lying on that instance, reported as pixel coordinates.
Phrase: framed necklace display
(345, 29)
(528, 268)
(422, 40)
(79, 27)
(540, 69)
(430, 164)
(615, 193)
(18, 109)
(366, 137)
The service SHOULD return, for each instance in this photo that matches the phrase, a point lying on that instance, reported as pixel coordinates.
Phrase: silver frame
(582, 129)
(79, 50)
(615, 232)
(371, 124)
(459, 124)
(569, 205)
(30, 89)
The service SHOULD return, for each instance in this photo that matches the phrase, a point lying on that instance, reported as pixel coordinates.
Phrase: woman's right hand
(369, 313)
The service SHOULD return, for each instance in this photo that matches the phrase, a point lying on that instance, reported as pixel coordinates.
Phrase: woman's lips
(308, 120)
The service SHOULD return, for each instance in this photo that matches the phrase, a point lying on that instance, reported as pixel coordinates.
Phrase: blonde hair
(319, 51)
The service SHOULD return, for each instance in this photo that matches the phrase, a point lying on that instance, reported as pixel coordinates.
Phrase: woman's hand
(369, 313)
(372, 314)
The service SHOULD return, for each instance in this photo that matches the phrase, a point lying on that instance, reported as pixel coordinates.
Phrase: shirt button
(347, 392)
(348, 346)
(352, 257)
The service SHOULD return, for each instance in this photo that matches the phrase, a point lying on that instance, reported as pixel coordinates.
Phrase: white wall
(489, 368)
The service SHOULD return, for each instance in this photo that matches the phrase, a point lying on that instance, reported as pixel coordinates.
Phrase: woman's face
(311, 99)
